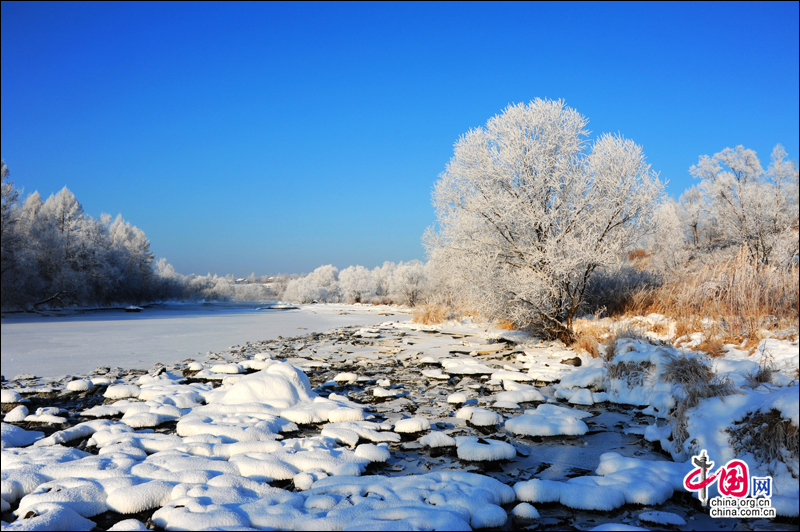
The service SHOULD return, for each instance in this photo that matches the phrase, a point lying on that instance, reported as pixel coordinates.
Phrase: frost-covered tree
(383, 276)
(9, 236)
(409, 282)
(753, 207)
(321, 285)
(668, 241)
(526, 214)
(356, 284)
(692, 210)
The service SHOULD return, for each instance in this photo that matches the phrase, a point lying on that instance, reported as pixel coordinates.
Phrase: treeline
(54, 255)
(736, 203)
(403, 284)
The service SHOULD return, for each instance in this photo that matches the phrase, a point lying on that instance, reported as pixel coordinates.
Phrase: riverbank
(401, 420)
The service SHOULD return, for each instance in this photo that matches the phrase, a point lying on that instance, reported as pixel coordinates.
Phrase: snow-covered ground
(394, 425)
(76, 343)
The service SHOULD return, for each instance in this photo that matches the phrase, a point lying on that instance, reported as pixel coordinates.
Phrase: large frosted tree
(527, 210)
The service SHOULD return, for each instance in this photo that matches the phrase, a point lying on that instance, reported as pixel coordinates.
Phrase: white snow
(411, 425)
(10, 396)
(16, 437)
(525, 510)
(480, 449)
(549, 420)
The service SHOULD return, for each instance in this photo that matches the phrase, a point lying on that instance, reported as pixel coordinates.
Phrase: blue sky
(276, 137)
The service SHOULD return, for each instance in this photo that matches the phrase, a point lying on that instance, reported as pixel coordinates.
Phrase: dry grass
(430, 314)
(633, 373)
(698, 382)
(741, 297)
(768, 437)
(587, 343)
(660, 328)
(505, 325)
(685, 327)
(713, 346)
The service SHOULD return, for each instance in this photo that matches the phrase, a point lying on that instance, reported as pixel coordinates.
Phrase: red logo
(733, 479)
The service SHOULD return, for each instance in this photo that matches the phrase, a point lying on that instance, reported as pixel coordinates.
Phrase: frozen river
(50, 346)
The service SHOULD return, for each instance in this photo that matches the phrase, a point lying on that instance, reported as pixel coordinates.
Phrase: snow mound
(84, 497)
(479, 450)
(446, 500)
(525, 511)
(81, 385)
(620, 481)
(411, 425)
(281, 385)
(12, 436)
(17, 414)
(457, 398)
(480, 417)
(10, 397)
(350, 433)
(145, 496)
(549, 420)
(51, 516)
(121, 391)
(437, 439)
(373, 453)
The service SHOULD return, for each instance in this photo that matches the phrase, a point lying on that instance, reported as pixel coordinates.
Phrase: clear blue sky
(278, 137)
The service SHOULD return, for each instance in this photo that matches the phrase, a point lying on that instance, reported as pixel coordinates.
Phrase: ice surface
(78, 343)
(662, 518)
